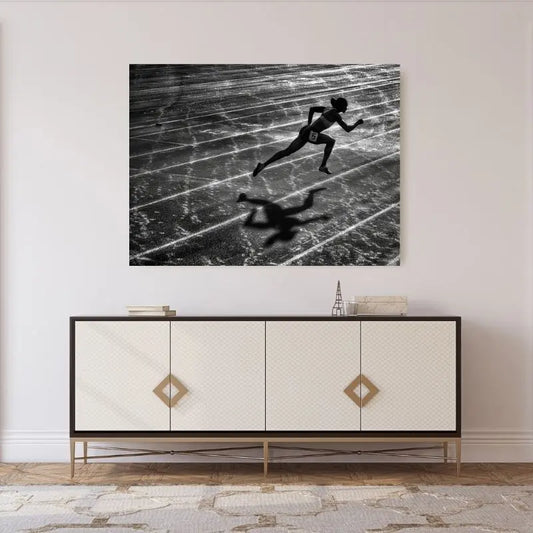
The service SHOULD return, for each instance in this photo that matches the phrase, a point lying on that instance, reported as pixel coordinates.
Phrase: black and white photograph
(265, 165)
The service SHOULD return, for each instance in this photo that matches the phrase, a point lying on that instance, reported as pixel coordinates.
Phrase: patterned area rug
(265, 509)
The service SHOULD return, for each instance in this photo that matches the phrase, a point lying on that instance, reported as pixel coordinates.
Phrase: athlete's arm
(345, 126)
(312, 111)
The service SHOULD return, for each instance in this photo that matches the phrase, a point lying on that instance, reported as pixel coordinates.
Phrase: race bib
(313, 136)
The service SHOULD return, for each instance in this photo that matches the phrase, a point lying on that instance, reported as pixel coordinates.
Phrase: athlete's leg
(293, 147)
(330, 143)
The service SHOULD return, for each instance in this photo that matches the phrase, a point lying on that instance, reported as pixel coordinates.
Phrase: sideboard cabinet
(265, 379)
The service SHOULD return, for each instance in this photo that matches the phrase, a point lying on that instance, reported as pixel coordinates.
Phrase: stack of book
(150, 310)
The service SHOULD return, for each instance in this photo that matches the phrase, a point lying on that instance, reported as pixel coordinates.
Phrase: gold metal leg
(85, 452)
(72, 456)
(445, 451)
(265, 457)
(458, 456)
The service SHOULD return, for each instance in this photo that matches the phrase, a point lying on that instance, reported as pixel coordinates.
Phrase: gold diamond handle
(350, 390)
(171, 381)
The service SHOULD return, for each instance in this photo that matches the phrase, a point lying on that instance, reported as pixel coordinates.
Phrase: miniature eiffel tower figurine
(338, 308)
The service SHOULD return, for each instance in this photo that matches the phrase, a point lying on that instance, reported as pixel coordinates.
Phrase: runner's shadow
(280, 218)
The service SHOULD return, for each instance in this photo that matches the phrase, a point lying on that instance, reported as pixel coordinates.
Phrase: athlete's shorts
(308, 134)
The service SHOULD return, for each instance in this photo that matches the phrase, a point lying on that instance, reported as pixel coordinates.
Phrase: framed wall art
(265, 164)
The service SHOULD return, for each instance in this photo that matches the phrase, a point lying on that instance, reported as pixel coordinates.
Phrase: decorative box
(381, 305)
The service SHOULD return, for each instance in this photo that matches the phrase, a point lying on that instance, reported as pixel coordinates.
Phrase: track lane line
(206, 79)
(181, 145)
(156, 141)
(185, 163)
(330, 91)
(343, 232)
(355, 88)
(276, 165)
(239, 217)
(144, 135)
(239, 118)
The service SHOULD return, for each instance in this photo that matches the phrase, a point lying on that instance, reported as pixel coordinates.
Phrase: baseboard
(34, 446)
(498, 446)
(481, 445)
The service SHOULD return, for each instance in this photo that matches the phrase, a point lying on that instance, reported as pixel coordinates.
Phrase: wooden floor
(225, 473)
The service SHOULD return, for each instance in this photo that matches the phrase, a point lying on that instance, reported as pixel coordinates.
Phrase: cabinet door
(117, 366)
(221, 367)
(413, 365)
(309, 366)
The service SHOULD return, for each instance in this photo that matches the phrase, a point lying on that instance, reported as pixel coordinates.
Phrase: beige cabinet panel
(412, 363)
(117, 366)
(222, 366)
(309, 364)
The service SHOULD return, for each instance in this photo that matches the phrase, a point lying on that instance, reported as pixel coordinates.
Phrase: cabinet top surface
(269, 317)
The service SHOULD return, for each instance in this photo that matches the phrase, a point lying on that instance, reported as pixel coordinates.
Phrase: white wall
(466, 188)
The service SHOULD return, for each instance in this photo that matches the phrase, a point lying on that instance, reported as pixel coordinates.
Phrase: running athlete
(312, 133)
